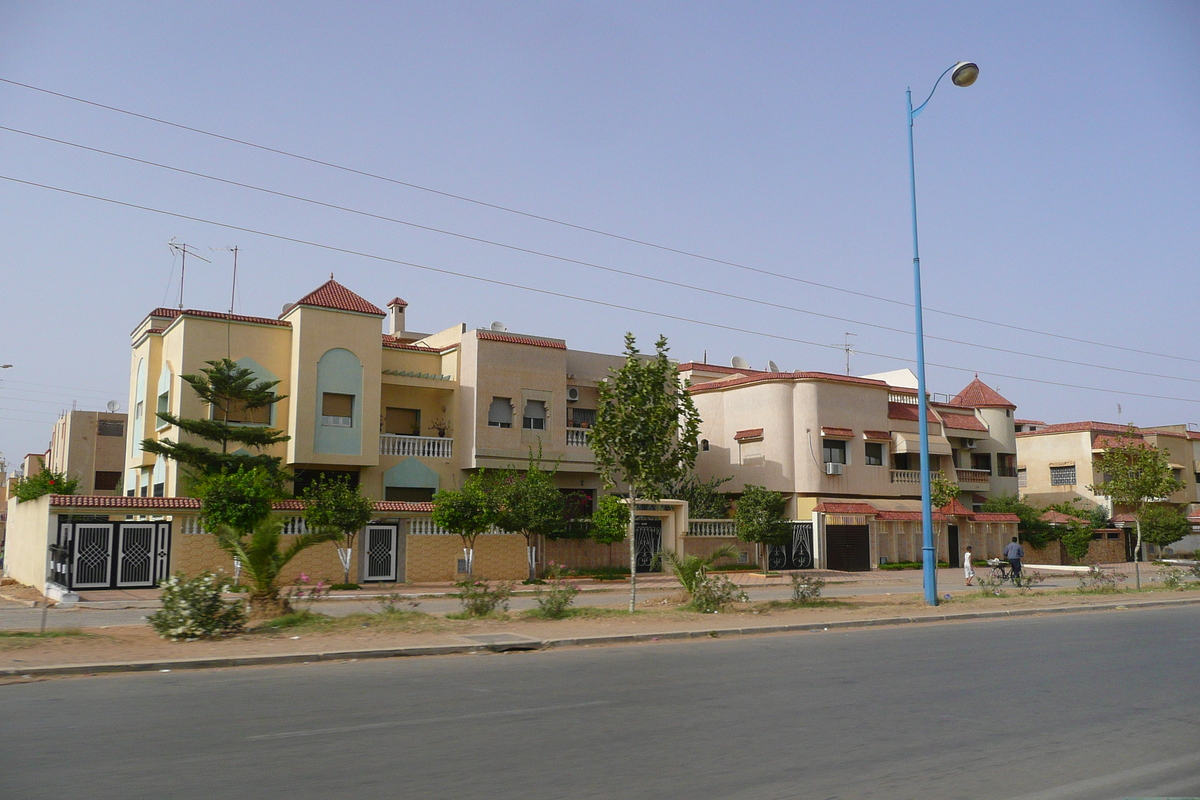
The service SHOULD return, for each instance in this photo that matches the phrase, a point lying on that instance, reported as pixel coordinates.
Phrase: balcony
(975, 477)
(906, 476)
(392, 444)
(578, 437)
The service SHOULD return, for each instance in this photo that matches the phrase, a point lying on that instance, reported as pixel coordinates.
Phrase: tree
(610, 522)
(1032, 529)
(236, 508)
(530, 504)
(942, 490)
(1134, 474)
(468, 512)
(231, 392)
(44, 482)
(1077, 533)
(703, 498)
(760, 519)
(690, 570)
(334, 503)
(647, 432)
(1164, 525)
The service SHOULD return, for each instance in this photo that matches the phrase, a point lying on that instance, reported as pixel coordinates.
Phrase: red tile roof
(955, 509)
(749, 433)
(846, 508)
(905, 516)
(1059, 518)
(396, 301)
(493, 336)
(830, 431)
(1073, 427)
(1028, 422)
(696, 366)
(191, 503)
(881, 436)
(172, 313)
(978, 394)
(760, 377)
(963, 422)
(1124, 516)
(908, 411)
(332, 294)
(392, 343)
(991, 516)
(1105, 441)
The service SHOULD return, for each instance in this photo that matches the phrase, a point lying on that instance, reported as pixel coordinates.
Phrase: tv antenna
(233, 289)
(848, 346)
(184, 250)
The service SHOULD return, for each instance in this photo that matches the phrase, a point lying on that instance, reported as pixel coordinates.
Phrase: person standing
(1014, 553)
(968, 567)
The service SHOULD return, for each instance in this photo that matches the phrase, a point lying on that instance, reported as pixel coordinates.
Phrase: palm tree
(690, 570)
(262, 561)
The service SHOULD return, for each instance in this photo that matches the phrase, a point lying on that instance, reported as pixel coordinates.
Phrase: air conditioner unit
(572, 394)
(969, 444)
(833, 469)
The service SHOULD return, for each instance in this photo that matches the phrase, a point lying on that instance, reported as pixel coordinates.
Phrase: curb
(580, 641)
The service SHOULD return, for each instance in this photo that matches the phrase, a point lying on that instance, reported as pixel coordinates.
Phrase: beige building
(845, 452)
(89, 446)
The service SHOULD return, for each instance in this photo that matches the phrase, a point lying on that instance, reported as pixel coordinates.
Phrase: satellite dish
(772, 367)
(112, 406)
(499, 327)
(740, 363)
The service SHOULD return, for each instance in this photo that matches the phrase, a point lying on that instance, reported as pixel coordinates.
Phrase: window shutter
(500, 411)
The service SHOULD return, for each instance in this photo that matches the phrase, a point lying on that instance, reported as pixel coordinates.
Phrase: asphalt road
(1090, 706)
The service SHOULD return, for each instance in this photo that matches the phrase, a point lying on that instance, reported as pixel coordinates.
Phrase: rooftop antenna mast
(847, 345)
(233, 289)
(184, 250)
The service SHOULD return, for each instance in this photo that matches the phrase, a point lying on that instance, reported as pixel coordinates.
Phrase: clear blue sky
(1058, 194)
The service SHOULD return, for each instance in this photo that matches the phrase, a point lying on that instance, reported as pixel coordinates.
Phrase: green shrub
(481, 599)
(1172, 578)
(554, 602)
(714, 593)
(44, 482)
(192, 608)
(1100, 581)
(806, 588)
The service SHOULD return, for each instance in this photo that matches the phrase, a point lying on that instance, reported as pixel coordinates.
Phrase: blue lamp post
(965, 74)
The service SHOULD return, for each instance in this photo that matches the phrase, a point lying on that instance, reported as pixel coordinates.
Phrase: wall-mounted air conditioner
(969, 444)
(572, 394)
(833, 469)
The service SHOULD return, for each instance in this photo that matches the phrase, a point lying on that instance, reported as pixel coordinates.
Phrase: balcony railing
(906, 476)
(712, 527)
(973, 475)
(578, 437)
(392, 444)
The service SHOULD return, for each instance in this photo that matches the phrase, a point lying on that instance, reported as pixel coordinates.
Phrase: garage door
(848, 548)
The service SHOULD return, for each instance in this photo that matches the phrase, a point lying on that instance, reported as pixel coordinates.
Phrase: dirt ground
(140, 643)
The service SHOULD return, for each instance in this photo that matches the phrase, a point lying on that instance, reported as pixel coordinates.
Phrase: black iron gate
(98, 554)
(647, 541)
(381, 553)
(796, 554)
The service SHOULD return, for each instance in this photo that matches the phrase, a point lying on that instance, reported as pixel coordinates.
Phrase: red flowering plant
(42, 483)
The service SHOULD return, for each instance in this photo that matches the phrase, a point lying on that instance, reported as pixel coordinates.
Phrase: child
(968, 567)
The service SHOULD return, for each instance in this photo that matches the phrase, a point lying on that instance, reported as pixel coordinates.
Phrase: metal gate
(647, 541)
(796, 554)
(380, 553)
(110, 555)
(848, 548)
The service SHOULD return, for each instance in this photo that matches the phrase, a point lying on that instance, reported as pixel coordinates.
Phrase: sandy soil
(140, 643)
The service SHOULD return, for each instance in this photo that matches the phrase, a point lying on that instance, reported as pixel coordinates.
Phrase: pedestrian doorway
(797, 553)
(647, 542)
(382, 554)
(952, 541)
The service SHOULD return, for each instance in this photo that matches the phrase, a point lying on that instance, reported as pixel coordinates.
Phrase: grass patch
(10, 640)
(468, 615)
(600, 573)
(580, 612)
(791, 605)
(917, 565)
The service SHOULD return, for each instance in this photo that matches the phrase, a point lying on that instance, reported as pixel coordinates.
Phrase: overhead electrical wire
(592, 265)
(58, 386)
(565, 296)
(583, 228)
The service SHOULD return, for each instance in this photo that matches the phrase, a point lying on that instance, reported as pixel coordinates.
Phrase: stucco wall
(435, 558)
(27, 541)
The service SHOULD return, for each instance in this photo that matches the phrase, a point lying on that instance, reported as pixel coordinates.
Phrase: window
(874, 454)
(110, 428)
(107, 481)
(407, 494)
(581, 417)
(534, 417)
(500, 413)
(337, 410)
(1022, 479)
(1062, 476)
(704, 445)
(139, 409)
(981, 461)
(159, 489)
(402, 421)
(240, 415)
(164, 403)
(834, 451)
(1006, 466)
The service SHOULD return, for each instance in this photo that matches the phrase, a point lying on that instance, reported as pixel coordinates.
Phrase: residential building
(845, 453)
(88, 446)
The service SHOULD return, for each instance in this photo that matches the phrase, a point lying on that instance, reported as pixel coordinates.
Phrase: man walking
(1014, 553)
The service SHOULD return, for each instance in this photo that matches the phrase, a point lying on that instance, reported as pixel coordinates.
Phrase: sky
(733, 176)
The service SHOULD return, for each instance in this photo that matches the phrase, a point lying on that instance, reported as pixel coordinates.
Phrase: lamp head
(965, 73)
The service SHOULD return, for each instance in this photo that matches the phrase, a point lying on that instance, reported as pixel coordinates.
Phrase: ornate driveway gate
(110, 555)
(796, 554)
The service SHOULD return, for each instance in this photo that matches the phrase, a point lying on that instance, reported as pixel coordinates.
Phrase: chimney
(396, 316)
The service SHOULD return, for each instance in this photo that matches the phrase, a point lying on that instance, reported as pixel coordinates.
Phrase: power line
(58, 386)
(604, 268)
(584, 228)
(565, 296)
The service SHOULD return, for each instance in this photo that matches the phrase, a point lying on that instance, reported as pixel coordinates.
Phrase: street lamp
(964, 75)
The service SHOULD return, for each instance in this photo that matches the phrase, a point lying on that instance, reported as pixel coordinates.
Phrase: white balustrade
(973, 475)
(712, 527)
(391, 444)
(578, 437)
(906, 476)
